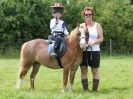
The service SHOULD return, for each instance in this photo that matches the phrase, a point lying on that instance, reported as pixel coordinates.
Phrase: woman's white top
(60, 27)
(93, 35)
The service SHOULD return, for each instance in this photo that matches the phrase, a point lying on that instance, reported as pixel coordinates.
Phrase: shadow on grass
(102, 91)
(113, 89)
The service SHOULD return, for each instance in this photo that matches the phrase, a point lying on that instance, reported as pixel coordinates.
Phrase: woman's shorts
(91, 58)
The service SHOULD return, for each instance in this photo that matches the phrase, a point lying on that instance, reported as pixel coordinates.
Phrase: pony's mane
(73, 34)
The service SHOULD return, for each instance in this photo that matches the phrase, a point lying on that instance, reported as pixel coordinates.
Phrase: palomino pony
(35, 53)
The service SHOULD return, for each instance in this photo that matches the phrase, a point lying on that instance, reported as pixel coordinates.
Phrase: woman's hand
(91, 42)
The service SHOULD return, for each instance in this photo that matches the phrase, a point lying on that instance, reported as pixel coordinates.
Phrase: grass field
(116, 81)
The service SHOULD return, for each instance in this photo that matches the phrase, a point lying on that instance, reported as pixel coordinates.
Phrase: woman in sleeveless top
(91, 55)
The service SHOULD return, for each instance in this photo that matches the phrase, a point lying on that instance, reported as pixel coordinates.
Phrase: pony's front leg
(72, 76)
(65, 78)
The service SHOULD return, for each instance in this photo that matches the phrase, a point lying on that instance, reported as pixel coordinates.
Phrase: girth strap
(59, 62)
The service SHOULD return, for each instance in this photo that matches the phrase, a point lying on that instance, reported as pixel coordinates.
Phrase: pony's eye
(78, 34)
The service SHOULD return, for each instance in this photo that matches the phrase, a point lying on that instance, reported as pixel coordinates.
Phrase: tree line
(24, 20)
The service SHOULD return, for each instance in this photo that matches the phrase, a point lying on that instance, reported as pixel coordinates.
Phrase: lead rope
(91, 54)
(87, 42)
(87, 46)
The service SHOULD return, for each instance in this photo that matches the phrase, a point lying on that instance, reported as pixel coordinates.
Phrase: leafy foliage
(23, 20)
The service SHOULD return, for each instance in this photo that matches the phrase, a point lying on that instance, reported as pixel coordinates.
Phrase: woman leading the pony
(91, 55)
(57, 25)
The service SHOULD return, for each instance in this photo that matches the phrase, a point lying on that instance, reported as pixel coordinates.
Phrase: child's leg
(57, 42)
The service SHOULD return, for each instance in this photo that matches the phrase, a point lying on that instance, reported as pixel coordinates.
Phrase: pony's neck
(73, 40)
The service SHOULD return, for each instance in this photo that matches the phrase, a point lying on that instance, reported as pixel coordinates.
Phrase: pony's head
(79, 34)
(82, 38)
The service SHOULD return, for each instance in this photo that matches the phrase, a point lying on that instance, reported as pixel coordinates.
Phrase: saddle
(60, 51)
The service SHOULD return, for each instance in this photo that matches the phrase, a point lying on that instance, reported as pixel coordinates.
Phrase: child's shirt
(60, 27)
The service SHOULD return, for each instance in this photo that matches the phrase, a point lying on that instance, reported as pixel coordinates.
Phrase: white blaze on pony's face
(82, 38)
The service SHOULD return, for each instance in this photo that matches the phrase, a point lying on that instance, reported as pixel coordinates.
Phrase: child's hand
(56, 22)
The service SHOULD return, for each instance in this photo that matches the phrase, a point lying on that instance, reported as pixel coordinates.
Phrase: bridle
(82, 38)
(86, 36)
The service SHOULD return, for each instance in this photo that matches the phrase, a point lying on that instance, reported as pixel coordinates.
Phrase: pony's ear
(78, 25)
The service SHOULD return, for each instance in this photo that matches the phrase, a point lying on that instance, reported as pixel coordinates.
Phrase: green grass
(116, 81)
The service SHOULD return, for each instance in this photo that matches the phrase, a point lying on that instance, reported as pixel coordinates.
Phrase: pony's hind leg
(35, 69)
(22, 72)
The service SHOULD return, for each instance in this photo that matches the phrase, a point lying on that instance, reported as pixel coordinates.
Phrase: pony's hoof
(71, 91)
(31, 88)
(63, 91)
(17, 86)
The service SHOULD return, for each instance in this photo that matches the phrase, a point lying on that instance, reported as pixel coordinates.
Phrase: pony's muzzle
(82, 43)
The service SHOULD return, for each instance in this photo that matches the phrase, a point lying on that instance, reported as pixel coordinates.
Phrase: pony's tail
(23, 67)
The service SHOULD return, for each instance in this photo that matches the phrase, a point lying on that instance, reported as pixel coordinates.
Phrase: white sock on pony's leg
(19, 83)
(70, 87)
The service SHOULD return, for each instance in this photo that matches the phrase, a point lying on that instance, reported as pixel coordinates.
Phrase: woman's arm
(100, 34)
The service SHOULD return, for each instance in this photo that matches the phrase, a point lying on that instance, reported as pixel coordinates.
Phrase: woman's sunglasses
(88, 14)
